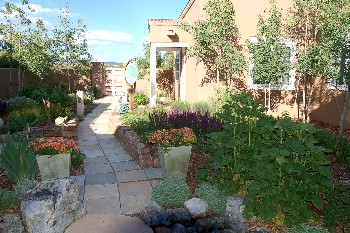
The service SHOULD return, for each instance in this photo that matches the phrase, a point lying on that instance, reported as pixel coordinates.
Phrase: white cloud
(103, 38)
(97, 58)
(144, 38)
(43, 10)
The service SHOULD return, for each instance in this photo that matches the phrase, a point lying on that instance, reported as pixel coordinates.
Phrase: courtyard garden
(31, 129)
(291, 174)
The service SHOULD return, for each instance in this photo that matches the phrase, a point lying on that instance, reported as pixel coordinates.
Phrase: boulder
(179, 215)
(154, 215)
(11, 223)
(204, 226)
(197, 207)
(162, 230)
(255, 230)
(233, 218)
(178, 228)
(52, 206)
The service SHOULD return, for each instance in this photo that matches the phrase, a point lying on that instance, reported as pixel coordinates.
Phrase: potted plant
(54, 156)
(174, 147)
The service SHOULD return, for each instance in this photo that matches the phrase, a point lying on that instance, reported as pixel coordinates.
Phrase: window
(285, 82)
(342, 65)
(177, 66)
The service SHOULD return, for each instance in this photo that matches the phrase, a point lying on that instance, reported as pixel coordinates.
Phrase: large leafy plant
(275, 163)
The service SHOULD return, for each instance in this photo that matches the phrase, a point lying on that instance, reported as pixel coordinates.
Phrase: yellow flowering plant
(172, 137)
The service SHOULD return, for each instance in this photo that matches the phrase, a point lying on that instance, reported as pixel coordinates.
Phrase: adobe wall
(10, 83)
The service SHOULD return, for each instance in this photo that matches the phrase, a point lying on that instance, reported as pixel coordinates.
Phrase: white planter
(54, 166)
(175, 160)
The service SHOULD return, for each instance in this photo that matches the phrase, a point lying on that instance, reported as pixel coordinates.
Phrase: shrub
(96, 92)
(276, 162)
(172, 137)
(53, 146)
(7, 199)
(36, 92)
(23, 186)
(18, 160)
(20, 102)
(172, 192)
(306, 228)
(20, 119)
(338, 206)
(201, 123)
(141, 98)
(213, 196)
(78, 158)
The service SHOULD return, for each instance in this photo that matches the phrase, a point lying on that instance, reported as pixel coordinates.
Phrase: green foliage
(20, 119)
(306, 228)
(36, 92)
(172, 192)
(138, 120)
(338, 206)
(141, 98)
(77, 157)
(216, 42)
(276, 162)
(18, 160)
(23, 186)
(143, 62)
(270, 55)
(7, 199)
(20, 102)
(96, 92)
(326, 140)
(215, 198)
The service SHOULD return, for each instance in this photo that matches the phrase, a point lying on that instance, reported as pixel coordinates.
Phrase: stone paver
(107, 223)
(96, 160)
(154, 173)
(103, 206)
(93, 153)
(135, 188)
(133, 175)
(125, 166)
(114, 183)
(103, 178)
(100, 191)
(98, 168)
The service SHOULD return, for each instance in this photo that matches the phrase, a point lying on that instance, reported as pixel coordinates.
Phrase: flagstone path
(114, 183)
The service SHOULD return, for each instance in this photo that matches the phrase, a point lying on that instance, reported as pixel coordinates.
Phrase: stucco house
(166, 35)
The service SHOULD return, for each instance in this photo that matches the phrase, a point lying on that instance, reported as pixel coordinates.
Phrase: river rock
(197, 207)
(233, 218)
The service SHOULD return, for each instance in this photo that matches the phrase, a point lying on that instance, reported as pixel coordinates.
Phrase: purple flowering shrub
(202, 123)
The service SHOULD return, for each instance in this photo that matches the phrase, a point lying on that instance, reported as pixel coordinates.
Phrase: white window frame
(290, 86)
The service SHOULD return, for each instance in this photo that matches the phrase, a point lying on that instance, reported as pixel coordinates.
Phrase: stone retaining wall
(145, 156)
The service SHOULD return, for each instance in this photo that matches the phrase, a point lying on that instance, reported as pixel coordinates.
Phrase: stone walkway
(114, 183)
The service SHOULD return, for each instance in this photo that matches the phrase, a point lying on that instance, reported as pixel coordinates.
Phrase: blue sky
(117, 28)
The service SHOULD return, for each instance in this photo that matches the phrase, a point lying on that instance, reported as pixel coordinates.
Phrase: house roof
(187, 8)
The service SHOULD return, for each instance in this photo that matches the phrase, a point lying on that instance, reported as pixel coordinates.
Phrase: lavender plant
(202, 123)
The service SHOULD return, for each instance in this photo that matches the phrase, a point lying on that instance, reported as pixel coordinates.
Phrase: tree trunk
(343, 113)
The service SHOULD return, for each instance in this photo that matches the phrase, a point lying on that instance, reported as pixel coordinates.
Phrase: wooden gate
(115, 83)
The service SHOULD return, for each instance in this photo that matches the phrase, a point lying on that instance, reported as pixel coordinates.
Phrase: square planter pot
(54, 166)
(174, 161)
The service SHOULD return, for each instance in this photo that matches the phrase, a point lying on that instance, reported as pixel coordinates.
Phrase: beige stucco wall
(247, 12)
